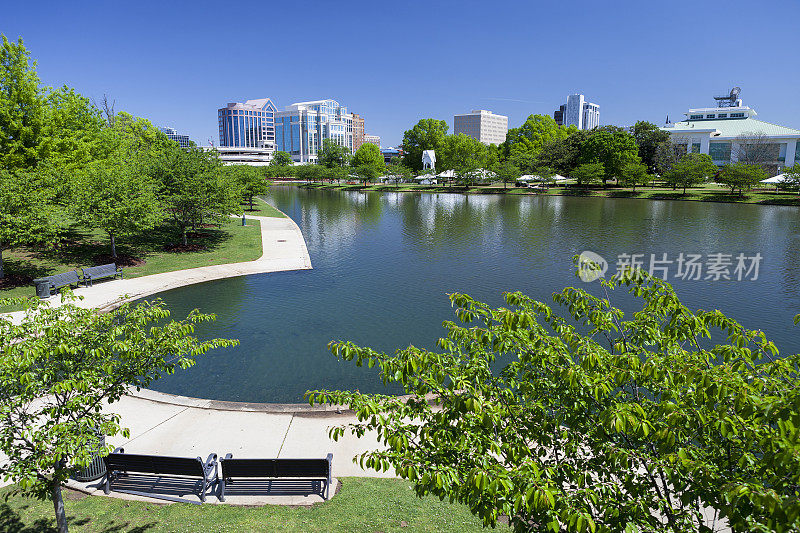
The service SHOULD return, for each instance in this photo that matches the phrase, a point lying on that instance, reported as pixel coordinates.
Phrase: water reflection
(383, 264)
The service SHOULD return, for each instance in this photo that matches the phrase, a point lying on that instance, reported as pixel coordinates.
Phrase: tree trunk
(185, 242)
(251, 203)
(58, 505)
(2, 274)
(113, 247)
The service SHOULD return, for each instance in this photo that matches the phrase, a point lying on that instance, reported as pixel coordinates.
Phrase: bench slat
(275, 468)
(149, 464)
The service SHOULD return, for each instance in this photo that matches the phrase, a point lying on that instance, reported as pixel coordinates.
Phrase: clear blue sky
(396, 62)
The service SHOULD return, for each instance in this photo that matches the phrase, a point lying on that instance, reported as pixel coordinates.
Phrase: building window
(737, 115)
(720, 151)
(710, 116)
(695, 117)
(695, 148)
(722, 115)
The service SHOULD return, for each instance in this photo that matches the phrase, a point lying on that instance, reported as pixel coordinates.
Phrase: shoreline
(696, 195)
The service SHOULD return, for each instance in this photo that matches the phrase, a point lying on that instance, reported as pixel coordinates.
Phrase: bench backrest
(62, 280)
(154, 464)
(100, 270)
(277, 468)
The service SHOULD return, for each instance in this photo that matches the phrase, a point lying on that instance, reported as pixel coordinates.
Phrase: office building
(730, 133)
(358, 131)
(578, 112)
(373, 139)
(247, 130)
(558, 115)
(302, 127)
(483, 125)
(173, 135)
(390, 153)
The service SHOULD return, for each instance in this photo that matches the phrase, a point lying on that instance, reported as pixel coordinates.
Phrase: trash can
(42, 287)
(96, 469)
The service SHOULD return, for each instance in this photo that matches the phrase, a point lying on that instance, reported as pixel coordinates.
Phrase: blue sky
(396, 62)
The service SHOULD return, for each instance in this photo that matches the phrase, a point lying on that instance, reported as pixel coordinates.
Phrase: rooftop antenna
(728, 100)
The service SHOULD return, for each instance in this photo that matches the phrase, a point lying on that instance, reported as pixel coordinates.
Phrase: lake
(384, 263)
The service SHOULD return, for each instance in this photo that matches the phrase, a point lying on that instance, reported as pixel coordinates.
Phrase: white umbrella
(559, 177)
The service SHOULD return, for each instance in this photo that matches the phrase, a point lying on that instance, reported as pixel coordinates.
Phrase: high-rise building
(483, 125)
(358, 131)
(302, 127)
(578, 112)
(373, 139)
(558, 115)
(173, 135)
(248, 125)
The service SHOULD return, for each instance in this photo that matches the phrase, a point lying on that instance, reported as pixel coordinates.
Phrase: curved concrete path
(175, 425)
(283, 248)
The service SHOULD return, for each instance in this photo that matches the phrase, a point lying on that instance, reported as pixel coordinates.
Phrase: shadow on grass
(85, 250)
(579, 191)
(724, 197)
(795, 201)
(20, 273)
(11, 522)
(669, 196)
(624, 194)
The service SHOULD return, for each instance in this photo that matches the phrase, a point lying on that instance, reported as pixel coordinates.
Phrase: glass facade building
(248, 125)
(302, 127)
(173, 135)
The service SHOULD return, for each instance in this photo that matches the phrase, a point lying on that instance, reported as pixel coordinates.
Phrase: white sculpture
(428, 159)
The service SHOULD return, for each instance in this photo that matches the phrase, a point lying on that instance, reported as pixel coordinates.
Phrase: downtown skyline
(176, 66)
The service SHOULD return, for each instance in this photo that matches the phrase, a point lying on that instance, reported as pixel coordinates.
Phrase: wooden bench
(45, 286)
(90, 274)
(304, 469)
(118, 463)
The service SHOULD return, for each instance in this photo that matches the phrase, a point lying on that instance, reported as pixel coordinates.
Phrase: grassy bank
(263, 209)
(362, 505)
(706, 193)
(156, 251)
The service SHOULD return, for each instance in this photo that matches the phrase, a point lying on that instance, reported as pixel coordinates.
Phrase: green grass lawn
(703, 193)
(263, 209)
(363, 505)
(230, 243)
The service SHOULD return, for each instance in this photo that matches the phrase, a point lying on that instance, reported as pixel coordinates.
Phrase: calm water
(383, 264)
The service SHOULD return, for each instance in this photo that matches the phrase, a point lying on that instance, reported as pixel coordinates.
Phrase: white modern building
(373, 139)
(302, 127)
(483, 125)
(723, 133)
(578, 112)
(234, 155)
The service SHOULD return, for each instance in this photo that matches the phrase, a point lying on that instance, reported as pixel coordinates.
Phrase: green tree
(594, 421)
(117, 198)
(562, 155)
(370, 155)
(667, 156)
(308, 172)
(507, 172)
(791, 177)
(59, 366)
(250, 181)
(524, 143)
(72, 132)
(367, 172)
(193, 189)
(281, 159)
(589, 174)
(465, 156)
(22, 107)
(28, 214)
(692, 169)
(648, 137)
(741, 176)
(427, 134)
(333, 154)
(634, 174)
(397, 171)
(612, 147)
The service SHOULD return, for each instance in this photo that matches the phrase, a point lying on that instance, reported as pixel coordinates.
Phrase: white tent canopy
(780, 178)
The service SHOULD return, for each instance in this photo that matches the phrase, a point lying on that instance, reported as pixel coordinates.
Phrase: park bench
(90, 274)
(45, 286)
(120, 464)
(298, 469)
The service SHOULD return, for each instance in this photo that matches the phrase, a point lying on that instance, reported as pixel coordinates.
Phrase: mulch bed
(14, 280)
(122, 260)
(184, 248)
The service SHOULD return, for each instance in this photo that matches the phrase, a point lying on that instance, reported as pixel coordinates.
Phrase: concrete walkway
(283, 249)
(165, 424)
(179, 426)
